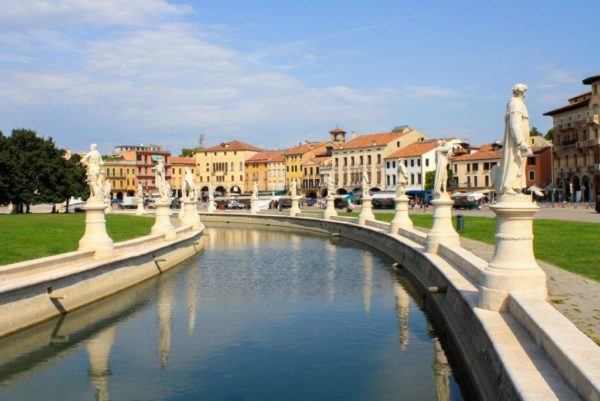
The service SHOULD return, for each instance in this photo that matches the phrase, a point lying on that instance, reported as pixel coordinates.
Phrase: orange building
(145, 158)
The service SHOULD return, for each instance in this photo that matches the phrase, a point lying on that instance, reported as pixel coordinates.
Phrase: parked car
(233, 204)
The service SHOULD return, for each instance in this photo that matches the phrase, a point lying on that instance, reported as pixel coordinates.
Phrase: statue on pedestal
(293, 189)
(255, 190)
(442, 153)
(402, 179)
(189, 190)
(139, 192)
(93, 162)
(509, 176)
(365, 184)
(160, 181)
(330, 185)
(107, 189)
(211, 193)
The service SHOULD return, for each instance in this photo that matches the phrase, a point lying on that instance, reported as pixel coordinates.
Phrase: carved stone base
(162, 224)
(95, 237)
(295, 209)
(140, 208)
(190, 215)
(442, 231)
(330, 209)
(401, 219)
(513, 267)
(254, 209)
(211, 207)
(366, 212)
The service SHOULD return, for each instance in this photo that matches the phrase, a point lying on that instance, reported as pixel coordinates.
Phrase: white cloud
(429, 92)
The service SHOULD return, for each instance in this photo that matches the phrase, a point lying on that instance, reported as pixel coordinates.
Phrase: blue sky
(274, 73)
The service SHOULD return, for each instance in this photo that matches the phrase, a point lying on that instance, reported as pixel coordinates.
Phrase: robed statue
(139, 193)
(189, 190)
(293, 189)
(255, 190)
(211, 193)
(442, 153)
(402, 179)
(330, 185)
(509, 176)
(93, 163)
(160, 181)
(365, 184)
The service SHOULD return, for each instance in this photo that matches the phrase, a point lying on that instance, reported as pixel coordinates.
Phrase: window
(468, 181)
(388, 166)
(468, 167)
(412, 179)
(352, 161)
(412, 162)
(475, 167)
(426, 162)
(378, 177)
(394, 180)
(455, 168)
(108, 172)
(531, 161)
(487, 181)
(406, 163)
(361, 160)
(394, 164)
(486, 167)
(475, 181)
(379, 158)
(418, 162)
(369, 159)
(531, 175)
(345, 161)
(419, 177)
(387, 180)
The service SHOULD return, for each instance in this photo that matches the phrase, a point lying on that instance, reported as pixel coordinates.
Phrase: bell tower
(337, 135)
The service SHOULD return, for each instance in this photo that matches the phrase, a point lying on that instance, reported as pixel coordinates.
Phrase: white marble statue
(293, 189)
(189, 190)
(139, 193)
(93, 162)
(509, 177)
(330, 185)
(107, 189)
(402, 179)
(211, 193)
(442, 154)
(365, 183)
(160, 181)
(255, 190)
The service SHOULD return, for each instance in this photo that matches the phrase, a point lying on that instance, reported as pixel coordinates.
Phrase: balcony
(589, 142)
(594, 119)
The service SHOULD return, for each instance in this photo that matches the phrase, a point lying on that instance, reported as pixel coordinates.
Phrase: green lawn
(573, 246)
(33, 236)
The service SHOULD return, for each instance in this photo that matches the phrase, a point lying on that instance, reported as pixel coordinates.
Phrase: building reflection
(191, 296)
(166, 289)
(330, 273)
(368, 280)
(402, 312)
(441, 372)
(98, 349)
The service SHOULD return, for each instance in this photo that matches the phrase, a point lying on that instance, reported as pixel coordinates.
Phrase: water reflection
(280, 310)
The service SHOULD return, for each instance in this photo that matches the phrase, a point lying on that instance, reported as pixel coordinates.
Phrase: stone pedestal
(95, 237)
(181, 213)
(513, 267)
(211, 207)
(108, 207)
(190, 215)
(140, 207)
(254, 209)
(295, 209)
(442, 231)
(162, 224)
(401, 219)
(366, 212)
(330, 209)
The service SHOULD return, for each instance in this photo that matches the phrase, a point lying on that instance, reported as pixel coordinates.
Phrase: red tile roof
(591, 79)
(303, 148)
(232, 145)
(485, 152)
(414, 149)
(371, 140)
(570, 106)
(182, 160)
(267, 156)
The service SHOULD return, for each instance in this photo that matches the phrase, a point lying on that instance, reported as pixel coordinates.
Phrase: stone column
(190, 215)
(295, 208)
(140, 207)
(513, 267)
(401, 219)
(366, 212)
(330, 209)
(211, 207)
(95, 237)
(162, 224)
(442, 231)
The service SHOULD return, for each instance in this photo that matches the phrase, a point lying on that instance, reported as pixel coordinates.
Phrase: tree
(75, 184)
(188, 152)
(429, 179)
(534, 132)
(5, 170)
(550, 134)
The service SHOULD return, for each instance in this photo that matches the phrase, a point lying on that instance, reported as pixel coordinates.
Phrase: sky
(274, 73)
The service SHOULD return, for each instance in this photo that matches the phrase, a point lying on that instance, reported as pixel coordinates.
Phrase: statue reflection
(98, 348)
(330, 273)
(165, 306)
(402, 311)
(368, 280)
(191, 297)
(441, 372)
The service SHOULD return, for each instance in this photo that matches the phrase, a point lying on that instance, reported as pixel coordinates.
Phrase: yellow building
(472, 170)
(367, 153)
(224, 166)
(178, 165)
(262, 168)
(122, 176)
(298, 157)
(276, 172)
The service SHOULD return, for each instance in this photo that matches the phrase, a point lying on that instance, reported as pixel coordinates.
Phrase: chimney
(353, 135)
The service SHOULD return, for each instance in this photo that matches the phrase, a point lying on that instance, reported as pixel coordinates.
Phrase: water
(259, 315)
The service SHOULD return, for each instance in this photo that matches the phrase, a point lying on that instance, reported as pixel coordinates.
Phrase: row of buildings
(570, 164)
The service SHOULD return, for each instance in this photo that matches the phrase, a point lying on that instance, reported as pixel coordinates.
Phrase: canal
(258, 315)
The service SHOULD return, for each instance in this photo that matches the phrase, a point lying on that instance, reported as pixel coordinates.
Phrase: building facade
(267, 169)
(538, 171)
(301, 163)
(368, 153)
(472, 170)
(122, 176)
(178, 166)
(576, 143)
(419, 159)
(145, 158)
(224, 166)
(276, 172)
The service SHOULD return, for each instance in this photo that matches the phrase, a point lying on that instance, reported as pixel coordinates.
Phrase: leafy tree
(429, 179)
(74, 184)
(188, 152)
(550, 134)
(534, 132)
(5, 169)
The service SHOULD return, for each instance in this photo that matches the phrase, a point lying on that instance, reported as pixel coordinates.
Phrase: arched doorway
(576, 184)
(324, 192)
(120, 195)
(357, 189)
(130, 193)
(375, 189)
(585, 185)
(235, 190)
(220, 190)
(311, 194)
(341, 191)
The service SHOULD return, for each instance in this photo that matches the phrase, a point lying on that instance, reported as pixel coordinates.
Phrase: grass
(571, 245)
(31, 236)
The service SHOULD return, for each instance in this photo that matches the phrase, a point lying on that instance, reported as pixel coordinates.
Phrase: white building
(418, 158)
